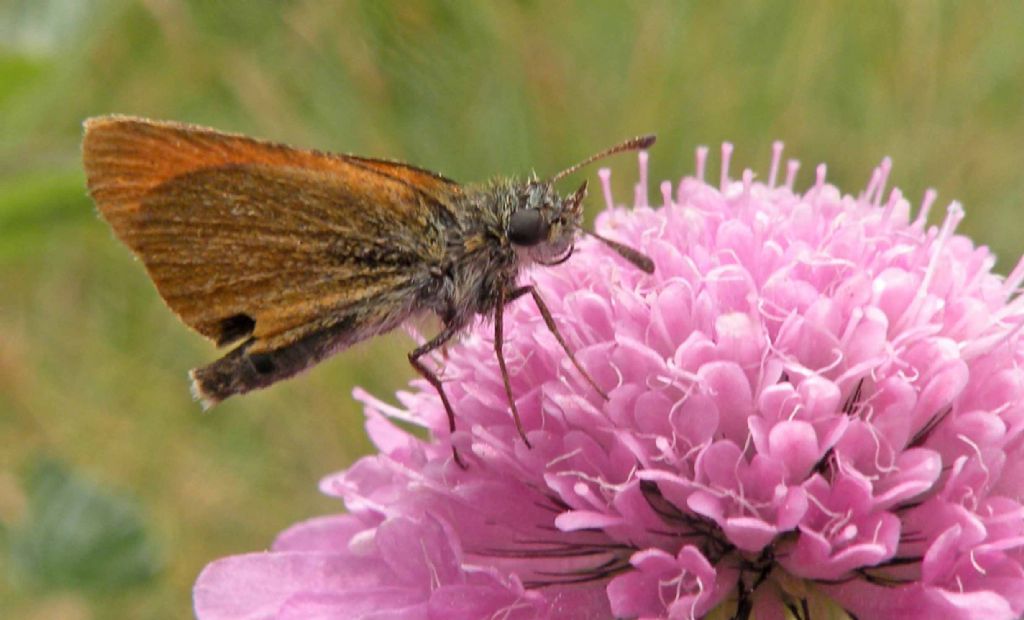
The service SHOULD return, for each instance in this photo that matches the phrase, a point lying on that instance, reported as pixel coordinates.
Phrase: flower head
(813, 395)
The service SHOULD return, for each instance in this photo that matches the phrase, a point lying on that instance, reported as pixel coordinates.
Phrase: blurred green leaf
(78, 535)
(33, 205)
(18, 73)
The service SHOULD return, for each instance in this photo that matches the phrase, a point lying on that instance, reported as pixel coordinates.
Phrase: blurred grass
(92, 365)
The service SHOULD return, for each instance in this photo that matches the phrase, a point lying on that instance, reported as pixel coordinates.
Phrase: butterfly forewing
(246, 237)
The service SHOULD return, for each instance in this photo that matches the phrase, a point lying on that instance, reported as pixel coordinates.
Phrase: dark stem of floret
(922, 435)
(826, 463)
(850, 406)
(614, 559)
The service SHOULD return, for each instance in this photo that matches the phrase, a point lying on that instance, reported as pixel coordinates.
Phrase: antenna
(639, 260)
(633, 144)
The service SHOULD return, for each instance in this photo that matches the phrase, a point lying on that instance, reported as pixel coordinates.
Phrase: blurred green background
(115, 489)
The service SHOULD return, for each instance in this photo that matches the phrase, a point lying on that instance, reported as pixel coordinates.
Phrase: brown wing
(245, 236)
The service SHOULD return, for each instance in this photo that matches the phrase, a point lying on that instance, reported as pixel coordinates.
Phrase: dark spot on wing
(234, 327)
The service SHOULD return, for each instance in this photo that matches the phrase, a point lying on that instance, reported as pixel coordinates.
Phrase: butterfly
(293, 255)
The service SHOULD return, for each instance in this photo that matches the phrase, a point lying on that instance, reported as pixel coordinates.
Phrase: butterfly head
(544, 224)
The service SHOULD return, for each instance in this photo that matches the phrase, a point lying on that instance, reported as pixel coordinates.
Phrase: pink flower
(814, 395)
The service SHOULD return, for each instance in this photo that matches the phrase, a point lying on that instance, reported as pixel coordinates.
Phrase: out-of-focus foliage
(92, 365)
(76, 535)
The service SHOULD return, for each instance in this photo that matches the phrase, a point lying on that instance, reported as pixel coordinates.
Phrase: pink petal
(796, 444)
(916, 471)
(749, 534)
(378, 604)
(584, 520)
(257, 585)
(319, 534)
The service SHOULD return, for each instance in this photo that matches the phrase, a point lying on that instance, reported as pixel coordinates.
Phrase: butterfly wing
(244, 237)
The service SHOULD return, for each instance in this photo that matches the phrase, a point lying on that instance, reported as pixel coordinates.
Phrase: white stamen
(977, 452)
(726, 158)
(792, 166)
(814, 500)
(663, 444)
(506, 612)
(1014, 280)
(641, 186)
(976, 565)
(748, 181)
(895, 196)
(605, 174)
(855, 318)
(883, 178)
(820, 173)
(776, 161)
(954, 214)
(926, 205)
(566, 456)
(435, 580)
(702, 161)
(696, 599)
(869, 191)
(666, 194)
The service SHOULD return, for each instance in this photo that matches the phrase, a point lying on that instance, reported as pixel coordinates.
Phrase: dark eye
(527, 227)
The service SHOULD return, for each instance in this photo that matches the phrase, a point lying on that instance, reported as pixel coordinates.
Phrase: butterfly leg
(499, 346)
(433, 344)
(553, 328)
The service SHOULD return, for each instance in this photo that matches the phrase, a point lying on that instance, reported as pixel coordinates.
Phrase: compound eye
(527, 227)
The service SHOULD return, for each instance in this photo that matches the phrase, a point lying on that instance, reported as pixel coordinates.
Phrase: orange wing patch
(242, 236)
